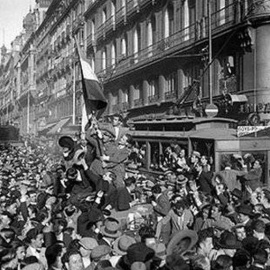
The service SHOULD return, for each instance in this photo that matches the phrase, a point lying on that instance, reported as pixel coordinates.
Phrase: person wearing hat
(110, 231)
(179, 218)
(194, 159)
(245, 215)
(124, 199)
(182, 242)
(228, 244)
(239, 231)
(203, 179)
(137, 252)
(116, 156)
(181, 185)
(99, 253)
(87, 244)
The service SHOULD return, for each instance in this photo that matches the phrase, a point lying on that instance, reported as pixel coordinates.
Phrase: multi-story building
(147, 53)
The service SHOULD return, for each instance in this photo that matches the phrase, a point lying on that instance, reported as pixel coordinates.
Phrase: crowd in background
(60, 207)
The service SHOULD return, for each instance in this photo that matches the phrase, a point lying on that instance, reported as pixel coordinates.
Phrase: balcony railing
(170, 95)
(221, 19)
(138, 102)
(153, 98)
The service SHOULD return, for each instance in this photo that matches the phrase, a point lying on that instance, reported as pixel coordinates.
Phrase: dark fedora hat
(245, 209)
(67, 142)
(228, 241)
(138, 252)
(237, 193)
(183, 240)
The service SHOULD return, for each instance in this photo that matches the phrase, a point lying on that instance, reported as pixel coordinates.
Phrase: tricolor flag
(94, 98)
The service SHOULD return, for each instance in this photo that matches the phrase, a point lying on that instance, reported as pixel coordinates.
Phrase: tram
(217, 138)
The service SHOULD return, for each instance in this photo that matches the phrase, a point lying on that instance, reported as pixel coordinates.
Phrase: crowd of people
(60, 207)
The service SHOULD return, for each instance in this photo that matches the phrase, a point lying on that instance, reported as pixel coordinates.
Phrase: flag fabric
(92, 91)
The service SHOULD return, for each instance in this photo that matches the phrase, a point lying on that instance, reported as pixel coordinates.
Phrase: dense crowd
(85, 204)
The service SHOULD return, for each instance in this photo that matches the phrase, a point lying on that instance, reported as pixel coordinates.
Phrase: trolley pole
(210, 51)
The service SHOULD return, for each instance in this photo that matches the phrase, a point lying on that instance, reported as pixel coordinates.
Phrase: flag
(94, 99)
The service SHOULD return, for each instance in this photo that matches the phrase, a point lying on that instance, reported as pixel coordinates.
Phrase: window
(113, 54)
(104, 15)
(113, 11)
(137, 42)
(170, 86)
(124, 46)
(93, 29)
(104, 59)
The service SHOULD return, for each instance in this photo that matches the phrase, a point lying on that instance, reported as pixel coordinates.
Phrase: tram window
(142, 154)
(155, 156)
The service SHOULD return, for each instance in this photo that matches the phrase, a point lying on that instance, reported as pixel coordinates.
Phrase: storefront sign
(244, 130)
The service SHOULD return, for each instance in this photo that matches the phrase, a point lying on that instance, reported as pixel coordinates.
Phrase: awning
(57, 128)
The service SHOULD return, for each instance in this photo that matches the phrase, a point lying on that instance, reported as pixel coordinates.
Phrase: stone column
(161, 88)
(131, 96)
(145, 93)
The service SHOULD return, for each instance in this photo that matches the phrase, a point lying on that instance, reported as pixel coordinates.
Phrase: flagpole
(74, 95)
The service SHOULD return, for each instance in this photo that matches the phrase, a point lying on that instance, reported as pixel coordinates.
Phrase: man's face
(207, 244)
(123, 140)
(242, 217)
(20, 252)
(39, 241)
(256, 164)
(75, 262)
(12, 209)
(115, 121)
(240, 233)
(179, 212)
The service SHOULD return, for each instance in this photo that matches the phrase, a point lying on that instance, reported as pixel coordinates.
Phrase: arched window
(113, 11)
(137, 42)
(169, 21)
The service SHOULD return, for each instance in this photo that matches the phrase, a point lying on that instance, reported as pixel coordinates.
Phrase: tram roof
(172, 119)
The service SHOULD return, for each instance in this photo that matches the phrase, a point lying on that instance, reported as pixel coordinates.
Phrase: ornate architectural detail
(258, 8)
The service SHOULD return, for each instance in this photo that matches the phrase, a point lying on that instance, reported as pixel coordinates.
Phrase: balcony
(125, 106)
(138, 102)
(170, 95)
(153, 99)
(91, 42)
(180, 40)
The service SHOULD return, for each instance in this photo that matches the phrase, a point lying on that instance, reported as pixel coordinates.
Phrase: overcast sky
(12, 13)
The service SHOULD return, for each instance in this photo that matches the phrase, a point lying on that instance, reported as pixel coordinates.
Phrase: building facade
(154, 59)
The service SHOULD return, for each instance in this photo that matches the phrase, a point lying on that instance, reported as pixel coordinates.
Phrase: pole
(28, 112)
(74, 95)
(210, 51)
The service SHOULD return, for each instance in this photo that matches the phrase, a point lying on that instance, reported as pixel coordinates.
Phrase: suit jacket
(178, 224)
(123, 199)
(163, 205)
(231, 178)
(204, 182)
(41, 257)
